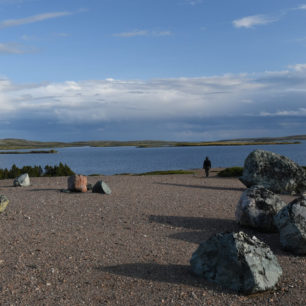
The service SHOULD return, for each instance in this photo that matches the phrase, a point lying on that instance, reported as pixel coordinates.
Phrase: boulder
(257, 208)
(291, 222)
(77, 183)
(3, 203)
(22, 181)
(101, 187)
(273, 171)
(237, 262)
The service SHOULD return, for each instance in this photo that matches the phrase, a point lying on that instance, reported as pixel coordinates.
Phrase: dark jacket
(207, 164)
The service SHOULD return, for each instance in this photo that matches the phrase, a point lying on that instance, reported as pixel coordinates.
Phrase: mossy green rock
(3, 203)
(101, 187)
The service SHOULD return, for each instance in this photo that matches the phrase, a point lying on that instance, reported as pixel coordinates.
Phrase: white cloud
(302, 7)
(36, 18)
(252, 21)
(132, 33)
(299, 112)
(142, 33)
(12, 48)
(298, 67)
(194, 2)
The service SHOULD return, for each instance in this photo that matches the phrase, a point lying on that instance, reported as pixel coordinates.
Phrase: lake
(115, 160)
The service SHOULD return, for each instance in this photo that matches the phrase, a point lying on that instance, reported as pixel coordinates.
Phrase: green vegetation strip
(14, 144)
(231, 172)
(166, 172)
(36, 171)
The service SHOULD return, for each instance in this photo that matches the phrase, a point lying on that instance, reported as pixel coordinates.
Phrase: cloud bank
(216, 107)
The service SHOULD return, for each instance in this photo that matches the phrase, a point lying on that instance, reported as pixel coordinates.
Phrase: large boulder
(273, 171)
(101, 187)
(3, 203)
(291, 222)
(237, 262)
(77, 183)
(22, 181)
(257, 207)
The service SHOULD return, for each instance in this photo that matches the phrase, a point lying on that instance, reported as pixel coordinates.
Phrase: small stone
(101, 187)
(77, 183)
(3, 203)
(22, 181)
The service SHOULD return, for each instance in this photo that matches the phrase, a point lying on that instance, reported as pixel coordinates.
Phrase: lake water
(114, 160)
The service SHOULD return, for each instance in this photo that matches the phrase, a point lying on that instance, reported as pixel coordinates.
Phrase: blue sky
(143, 69)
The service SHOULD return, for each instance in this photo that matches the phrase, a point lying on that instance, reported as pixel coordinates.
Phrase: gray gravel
(129, 248)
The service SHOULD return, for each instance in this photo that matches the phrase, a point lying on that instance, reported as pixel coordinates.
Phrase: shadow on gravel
(204, 228)
(196, 223)
(176, 274)
(203, 187)
(45, 189)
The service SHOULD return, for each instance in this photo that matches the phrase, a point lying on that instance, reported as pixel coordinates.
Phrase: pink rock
(77, 183)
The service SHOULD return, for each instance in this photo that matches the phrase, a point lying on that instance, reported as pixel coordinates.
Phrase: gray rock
(101, 187)
(237, 262)
(273, 171)
(22, 181)
(291, 222)
(257, 207)
(3, 203)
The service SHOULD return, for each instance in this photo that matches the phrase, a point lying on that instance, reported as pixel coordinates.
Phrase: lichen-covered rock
(273, 171)
(257, 207)
(3, 203)
(101, 187)
(237, 262)
(77, 183)
(22, 181)
(291, 222)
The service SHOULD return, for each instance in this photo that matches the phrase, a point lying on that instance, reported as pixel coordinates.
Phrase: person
(207, 165)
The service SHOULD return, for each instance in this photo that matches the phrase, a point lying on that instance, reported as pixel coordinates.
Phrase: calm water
(87, 160)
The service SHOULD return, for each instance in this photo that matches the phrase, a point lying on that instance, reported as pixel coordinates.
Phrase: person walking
(206, 166)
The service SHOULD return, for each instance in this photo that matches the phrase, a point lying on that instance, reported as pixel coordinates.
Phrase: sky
(181, 70)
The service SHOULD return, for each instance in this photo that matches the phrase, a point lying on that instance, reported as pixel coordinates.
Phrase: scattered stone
(291, 222)
(65, 191)
(3, 203)
(77, 183)
(22, 181)
(101, 187)
(237, 262)
(275, 172)
(257, 207)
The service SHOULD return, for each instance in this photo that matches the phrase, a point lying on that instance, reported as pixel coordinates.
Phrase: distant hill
(13, 143)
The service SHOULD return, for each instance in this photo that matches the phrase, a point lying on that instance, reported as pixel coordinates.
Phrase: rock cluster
(78, 183)
(275, 172)
(238, 262)
(244, 264)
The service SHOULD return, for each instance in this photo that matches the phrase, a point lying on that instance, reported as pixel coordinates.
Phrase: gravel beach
(129, 248)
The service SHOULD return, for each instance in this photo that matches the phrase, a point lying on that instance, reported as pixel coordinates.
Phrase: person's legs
(206, 172)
